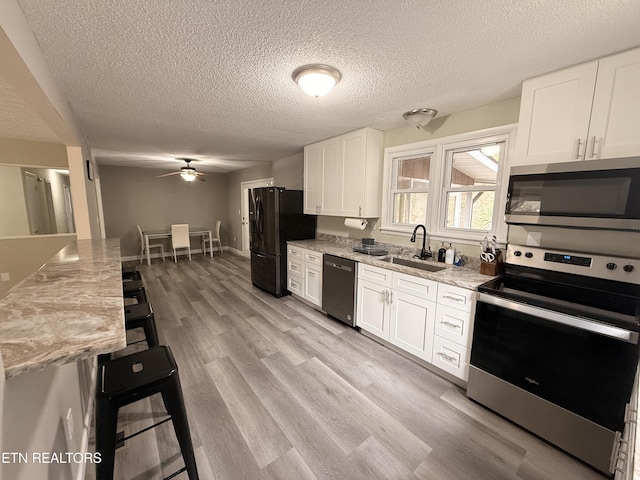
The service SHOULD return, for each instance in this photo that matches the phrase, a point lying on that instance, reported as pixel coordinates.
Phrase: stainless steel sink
(413, 263)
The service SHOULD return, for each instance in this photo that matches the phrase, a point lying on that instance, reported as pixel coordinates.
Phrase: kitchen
(287, 171)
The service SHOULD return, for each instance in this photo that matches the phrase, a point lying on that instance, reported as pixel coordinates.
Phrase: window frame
(441, 150)
(393, 187)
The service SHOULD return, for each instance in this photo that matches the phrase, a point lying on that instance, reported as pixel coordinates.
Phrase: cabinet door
(373, 309)
(554, 116)
(313, 284)
(295, 284)
(330, 204)
(412, 323)
(312, 178)
(352, 162)
(615, 116)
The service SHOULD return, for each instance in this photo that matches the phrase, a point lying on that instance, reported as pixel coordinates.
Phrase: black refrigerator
(275, 217)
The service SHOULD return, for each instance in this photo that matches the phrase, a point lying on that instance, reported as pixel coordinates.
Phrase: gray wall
(133, 196)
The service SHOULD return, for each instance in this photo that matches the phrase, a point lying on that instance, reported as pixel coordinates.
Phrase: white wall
(13, 207)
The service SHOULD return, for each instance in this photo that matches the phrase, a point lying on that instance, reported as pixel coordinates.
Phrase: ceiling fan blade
(167, 174)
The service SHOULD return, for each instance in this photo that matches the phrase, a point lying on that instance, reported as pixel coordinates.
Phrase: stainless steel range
(555, 348)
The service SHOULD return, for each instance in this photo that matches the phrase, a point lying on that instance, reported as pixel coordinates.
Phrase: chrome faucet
(424, 254)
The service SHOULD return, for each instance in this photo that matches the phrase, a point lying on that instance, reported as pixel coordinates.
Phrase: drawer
(456, 297)
(451, 357)
(294, 265)
(294, 284)
(295, 252)
(378, 275)
(312, 258)
(420, 287)
(455, 325)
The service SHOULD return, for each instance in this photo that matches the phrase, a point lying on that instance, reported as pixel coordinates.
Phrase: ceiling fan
(187, 173)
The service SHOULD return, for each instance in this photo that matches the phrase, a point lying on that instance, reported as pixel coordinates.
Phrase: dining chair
(214, 239)
(151, 246)
(180, 239)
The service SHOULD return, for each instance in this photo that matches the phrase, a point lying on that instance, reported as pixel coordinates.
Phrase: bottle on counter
(449, 255)
(442, 253)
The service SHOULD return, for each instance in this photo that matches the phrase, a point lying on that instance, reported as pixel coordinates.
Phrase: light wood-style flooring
(277, 390)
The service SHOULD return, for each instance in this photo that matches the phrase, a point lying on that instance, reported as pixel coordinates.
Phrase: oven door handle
(557, 317)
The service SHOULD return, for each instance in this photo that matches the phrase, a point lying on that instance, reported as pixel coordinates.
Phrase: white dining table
(193, 232)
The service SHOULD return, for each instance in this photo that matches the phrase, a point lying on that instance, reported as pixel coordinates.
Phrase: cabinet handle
(390, 296)
(454, 325)
(447, 357)
(455, 299)
(312, 274)
(580, 142)
(594, 140)
(360, 209)
(386, 296)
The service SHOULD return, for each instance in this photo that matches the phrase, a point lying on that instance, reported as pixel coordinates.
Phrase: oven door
(584, 366)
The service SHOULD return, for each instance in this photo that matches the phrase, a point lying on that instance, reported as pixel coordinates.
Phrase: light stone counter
(467, 276)
(71, 309)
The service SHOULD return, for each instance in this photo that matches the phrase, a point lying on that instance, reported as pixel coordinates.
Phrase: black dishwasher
(339, 288)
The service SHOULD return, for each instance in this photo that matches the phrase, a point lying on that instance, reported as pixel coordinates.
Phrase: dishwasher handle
(330, 264)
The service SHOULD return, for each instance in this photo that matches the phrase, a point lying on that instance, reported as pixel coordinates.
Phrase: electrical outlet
(234, 239)
(5, 277)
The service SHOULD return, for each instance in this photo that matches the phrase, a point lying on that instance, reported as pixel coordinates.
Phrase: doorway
(244, 202)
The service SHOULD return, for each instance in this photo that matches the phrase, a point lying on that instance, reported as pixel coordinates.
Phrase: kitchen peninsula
(52, 326)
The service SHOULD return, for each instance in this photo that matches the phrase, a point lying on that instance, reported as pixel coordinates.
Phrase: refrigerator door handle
(259, 255)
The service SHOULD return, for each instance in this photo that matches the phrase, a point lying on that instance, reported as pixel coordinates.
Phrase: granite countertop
(467, 276)
(70, 309)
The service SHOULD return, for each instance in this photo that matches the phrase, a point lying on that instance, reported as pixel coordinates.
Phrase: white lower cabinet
(431, 320)
(304, 274)
(412, 324)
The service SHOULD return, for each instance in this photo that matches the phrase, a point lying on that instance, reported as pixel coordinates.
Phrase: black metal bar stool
(126, 380)
(140, 315)
(131, 273)
(134, 289)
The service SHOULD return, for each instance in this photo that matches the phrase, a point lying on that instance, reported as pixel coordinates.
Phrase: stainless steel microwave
(603, 194)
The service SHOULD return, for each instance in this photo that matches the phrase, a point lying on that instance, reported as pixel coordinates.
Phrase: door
(353, 158)
(412, 324)
(616, 108)
(313, 284)
(554, 116)
(373, 308)
(244, 212)
(264, 220)
(312, 179)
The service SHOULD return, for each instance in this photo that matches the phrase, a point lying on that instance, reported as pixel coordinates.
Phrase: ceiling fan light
(188, 176)
(316, 80)
(420, 117)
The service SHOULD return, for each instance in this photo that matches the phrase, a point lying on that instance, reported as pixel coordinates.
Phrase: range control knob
(528, 254)
(628, 268)
(517, 253)
(611, 266)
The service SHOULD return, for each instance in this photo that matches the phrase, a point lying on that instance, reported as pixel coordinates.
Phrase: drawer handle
(454, 325)
(447, 357)
(455, 299)
(312, 274)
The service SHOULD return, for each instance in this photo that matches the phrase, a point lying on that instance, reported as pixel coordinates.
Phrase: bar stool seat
(131, 272)
(126, 380)
(140, 315)
(134, 289)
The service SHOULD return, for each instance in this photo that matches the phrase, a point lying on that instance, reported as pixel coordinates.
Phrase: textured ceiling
(149, 80)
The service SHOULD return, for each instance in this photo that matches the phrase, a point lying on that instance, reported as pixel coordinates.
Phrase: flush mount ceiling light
(420, 117)
(316, 80)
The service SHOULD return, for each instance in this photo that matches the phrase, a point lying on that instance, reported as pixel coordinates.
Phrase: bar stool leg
(106, 426)
(150, 332)
(174, 401)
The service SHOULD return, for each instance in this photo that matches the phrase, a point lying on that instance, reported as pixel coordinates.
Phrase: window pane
(470, 210)
(410, 208)
(413, 173)
(476, 167)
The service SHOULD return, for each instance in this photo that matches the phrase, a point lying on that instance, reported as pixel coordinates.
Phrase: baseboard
(133, 258)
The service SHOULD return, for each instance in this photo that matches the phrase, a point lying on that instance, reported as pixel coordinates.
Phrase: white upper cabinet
(342, 175)
(585, 112)
(615, 117)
